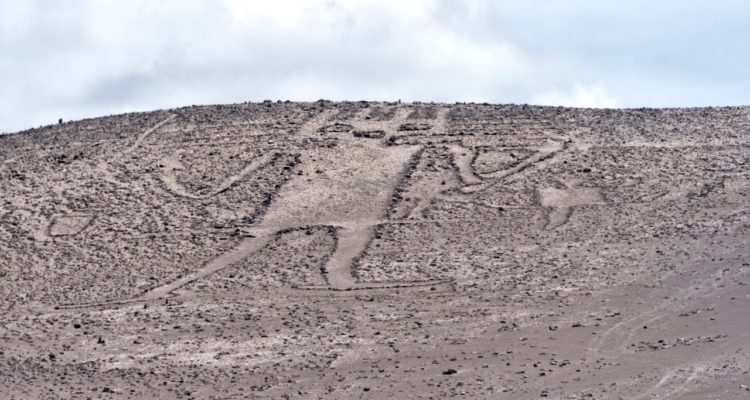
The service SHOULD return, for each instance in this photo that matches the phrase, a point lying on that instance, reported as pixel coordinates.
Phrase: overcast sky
(77, 59)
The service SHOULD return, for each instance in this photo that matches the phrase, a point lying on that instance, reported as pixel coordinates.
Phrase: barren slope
(378, 250)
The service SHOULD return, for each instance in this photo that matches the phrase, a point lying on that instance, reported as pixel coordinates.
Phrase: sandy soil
(378, 251)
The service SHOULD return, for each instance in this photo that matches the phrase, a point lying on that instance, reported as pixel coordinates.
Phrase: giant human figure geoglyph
(347, 186)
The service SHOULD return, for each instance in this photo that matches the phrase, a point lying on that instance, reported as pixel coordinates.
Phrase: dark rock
(410, 127)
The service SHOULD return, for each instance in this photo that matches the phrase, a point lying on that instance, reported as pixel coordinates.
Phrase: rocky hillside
(377, 250)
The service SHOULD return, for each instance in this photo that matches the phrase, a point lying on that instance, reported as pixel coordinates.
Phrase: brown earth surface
(378, 251)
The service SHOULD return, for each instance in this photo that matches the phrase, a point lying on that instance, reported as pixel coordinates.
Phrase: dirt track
(378, 250)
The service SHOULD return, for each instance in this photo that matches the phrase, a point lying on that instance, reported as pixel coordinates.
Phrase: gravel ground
(378, 251)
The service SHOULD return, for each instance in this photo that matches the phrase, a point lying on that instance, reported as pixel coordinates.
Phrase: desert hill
(378, 250)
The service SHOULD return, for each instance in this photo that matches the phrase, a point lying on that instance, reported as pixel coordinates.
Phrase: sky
(77, 59)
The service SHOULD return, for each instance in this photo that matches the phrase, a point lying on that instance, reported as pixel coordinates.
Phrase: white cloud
(93, 57)
(594, 95)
